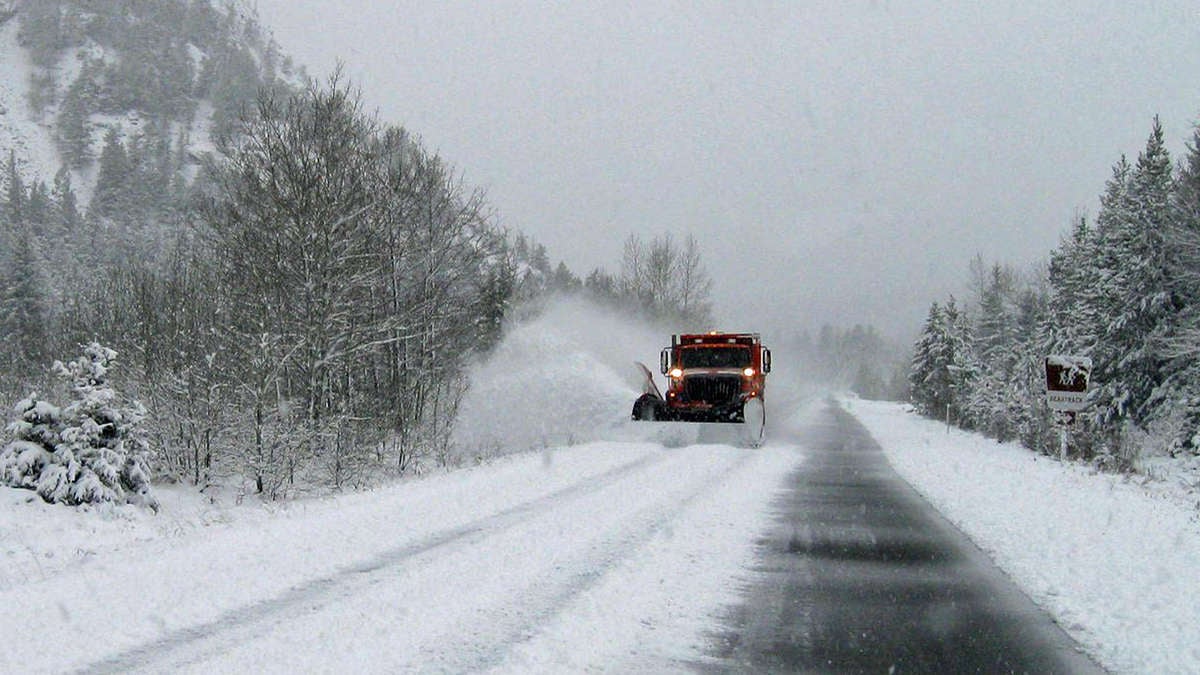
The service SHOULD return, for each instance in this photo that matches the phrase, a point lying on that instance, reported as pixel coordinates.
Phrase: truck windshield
(715, 357)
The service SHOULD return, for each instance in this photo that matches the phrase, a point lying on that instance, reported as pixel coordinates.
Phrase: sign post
(1067, 379)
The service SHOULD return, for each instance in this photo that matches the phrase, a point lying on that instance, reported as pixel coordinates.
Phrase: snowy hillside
(31, 139)
(74, 71)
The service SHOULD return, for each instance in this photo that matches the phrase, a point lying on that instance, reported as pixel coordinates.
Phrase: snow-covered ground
(578, 558)
(1115, 559)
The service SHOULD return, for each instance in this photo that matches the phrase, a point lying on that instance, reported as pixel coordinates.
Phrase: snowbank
(39, 540)
(1115, 559)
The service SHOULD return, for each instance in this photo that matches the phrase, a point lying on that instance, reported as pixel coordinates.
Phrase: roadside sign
(1067, 382)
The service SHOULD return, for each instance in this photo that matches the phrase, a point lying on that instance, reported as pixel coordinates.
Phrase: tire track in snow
(466, 605)
(597, 562)
(528, 581)
(325, 590)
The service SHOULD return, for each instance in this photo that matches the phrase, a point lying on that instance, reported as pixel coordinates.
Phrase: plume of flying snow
(566, 376)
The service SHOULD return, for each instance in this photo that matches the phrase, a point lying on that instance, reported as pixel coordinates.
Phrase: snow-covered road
(1115, 559)
(594, 556)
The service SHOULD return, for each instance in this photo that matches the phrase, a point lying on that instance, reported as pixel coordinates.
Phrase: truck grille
(712, 389)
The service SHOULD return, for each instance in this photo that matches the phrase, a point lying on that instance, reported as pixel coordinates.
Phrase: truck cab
(711, 377)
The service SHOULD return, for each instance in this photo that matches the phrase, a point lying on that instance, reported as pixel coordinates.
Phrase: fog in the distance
(838, 162)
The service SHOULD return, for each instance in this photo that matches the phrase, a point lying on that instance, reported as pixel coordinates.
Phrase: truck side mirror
(766, 358)
(664, 360)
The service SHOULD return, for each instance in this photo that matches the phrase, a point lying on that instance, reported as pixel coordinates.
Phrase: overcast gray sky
(837, 161)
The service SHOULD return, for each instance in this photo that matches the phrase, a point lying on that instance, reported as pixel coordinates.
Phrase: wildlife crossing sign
(1067, 382)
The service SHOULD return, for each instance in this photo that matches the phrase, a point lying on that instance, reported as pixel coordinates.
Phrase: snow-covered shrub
(27, 458)
(93, 450)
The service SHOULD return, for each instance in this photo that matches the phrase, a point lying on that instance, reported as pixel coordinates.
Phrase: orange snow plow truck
(711, 377)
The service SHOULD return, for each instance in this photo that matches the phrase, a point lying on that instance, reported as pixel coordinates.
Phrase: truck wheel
(755, 416)
(645, 409)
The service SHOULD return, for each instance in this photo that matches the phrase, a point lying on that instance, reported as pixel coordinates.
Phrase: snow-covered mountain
(74, 71)
(20, 132)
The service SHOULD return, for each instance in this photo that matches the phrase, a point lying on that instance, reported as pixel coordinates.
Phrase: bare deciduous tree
(667, 281)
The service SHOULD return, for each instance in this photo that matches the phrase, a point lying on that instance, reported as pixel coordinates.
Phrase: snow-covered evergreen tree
(93, 450)
(944, 365)
(14, 202)
(113, 177)
(30, 459)
(989, 399)
(962, 365)
(22, 315)
(922, 370)
(1072, 322)
(995, 325)
(22, 327)
(1134, 280)
(1176, 402)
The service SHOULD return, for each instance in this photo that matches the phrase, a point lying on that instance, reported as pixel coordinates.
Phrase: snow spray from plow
(561, 377)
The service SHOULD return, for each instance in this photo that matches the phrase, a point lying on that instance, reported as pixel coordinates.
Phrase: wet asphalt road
(861, 575)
